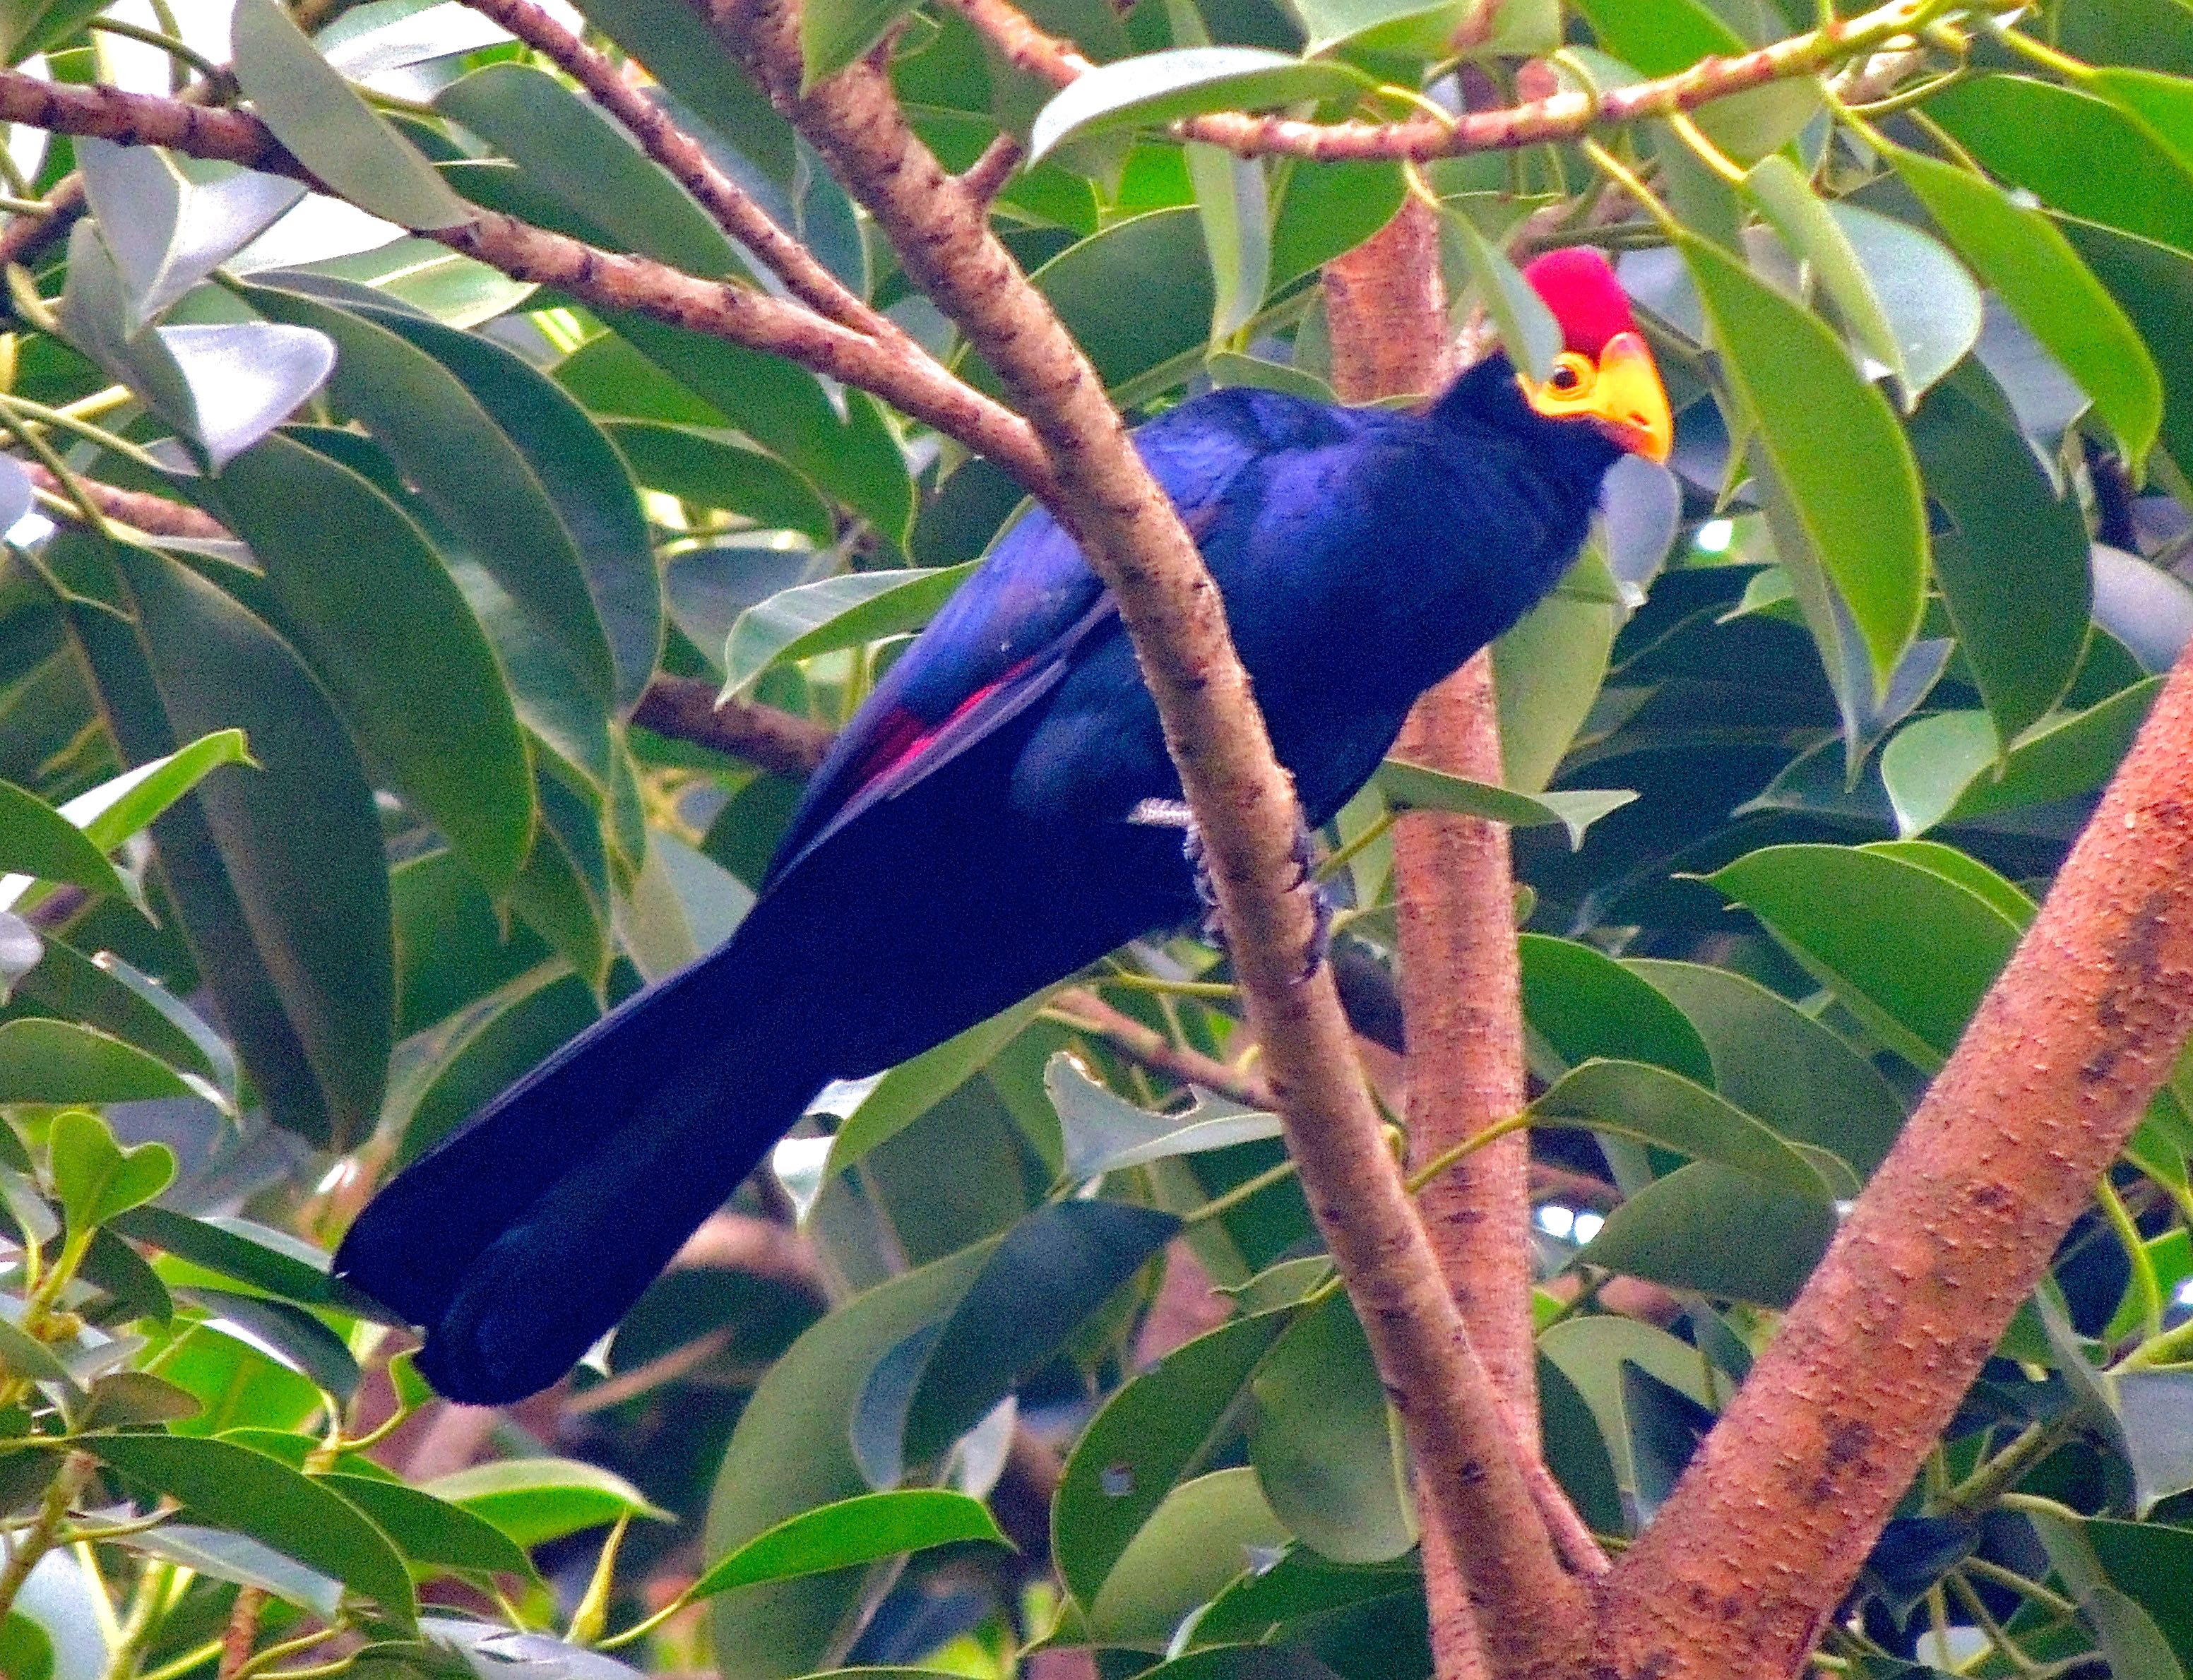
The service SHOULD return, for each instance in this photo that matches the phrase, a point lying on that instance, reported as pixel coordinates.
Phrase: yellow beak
(1621, 394)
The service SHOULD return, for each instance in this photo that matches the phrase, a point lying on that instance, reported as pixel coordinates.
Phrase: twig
(1083, 1010)
(604, 279)
(685, 708)
(1243, 801)
(983, 179)
(1563, 116)
(156, 516)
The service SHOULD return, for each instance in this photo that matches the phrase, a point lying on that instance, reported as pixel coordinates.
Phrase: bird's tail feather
(522, 1239)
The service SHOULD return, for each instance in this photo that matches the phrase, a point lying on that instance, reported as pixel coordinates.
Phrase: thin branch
(1086, 1012)
(986, 177)
(604, 279)
(683, 158)
(1565, 116)
(1746, 1562)
(1243, 801)
(685, 708)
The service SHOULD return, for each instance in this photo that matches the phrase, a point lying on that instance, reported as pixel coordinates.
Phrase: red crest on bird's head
(1579, 287)
(1605, 372)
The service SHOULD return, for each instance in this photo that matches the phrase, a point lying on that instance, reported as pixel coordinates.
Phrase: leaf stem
(2137, 1254)
(1469, 1146)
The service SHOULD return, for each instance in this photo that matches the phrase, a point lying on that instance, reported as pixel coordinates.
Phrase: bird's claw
(1305, 857)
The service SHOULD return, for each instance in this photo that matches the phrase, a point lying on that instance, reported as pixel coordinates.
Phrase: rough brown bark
(1560, 116)
(1766, 1532)
(685, 708)
(1243, 801)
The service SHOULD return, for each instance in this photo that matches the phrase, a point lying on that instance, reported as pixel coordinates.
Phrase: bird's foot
(1171, 813)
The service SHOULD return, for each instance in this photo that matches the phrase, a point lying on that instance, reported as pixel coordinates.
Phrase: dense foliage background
(331, 820)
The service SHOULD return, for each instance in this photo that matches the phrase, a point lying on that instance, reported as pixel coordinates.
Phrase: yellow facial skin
(1621, 393)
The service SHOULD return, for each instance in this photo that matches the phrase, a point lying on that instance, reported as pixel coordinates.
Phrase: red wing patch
(901, 736)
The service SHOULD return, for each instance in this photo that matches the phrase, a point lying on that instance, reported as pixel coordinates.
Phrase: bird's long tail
(520, 1241)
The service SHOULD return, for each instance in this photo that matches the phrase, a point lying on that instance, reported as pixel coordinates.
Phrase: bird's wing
(1010, 633)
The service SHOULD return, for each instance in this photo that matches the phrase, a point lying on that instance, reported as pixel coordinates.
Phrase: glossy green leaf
(281, 867)
(1154, 1430)
(1528, 331)
(1325, 209)
(288, 1333)
(257, 1255)
(1442, 29)
(793, 1451)
(568, 149)
(94, 1177)
(234, 1488)
(1416, 787)
(220, 1555)
(1325, 1448)
(866, 1529)
(710, 471)
(1651, 1104)
(431, 1531)
(1547, 669)
(840, 612)
(1717, 1231)
(444, 1076)
(111, 812)
(1107, 1133)
(2022, 255)
(691, 61)
(24, 1355)
(1786, 199)
(36, 840)
(59, 1061)
(26, 1650)
(1834, 444)
(834, 33)
(1945, 768)
(1230, 201)
(534, 1501)
(2075, 151)
(471, 473)
(1206, 1532)
(1773, 1060)
(889, 1105)
(1908, 950)
(166, 231)
(1155, 88)
(1594, 1352)
(317, 115)
(1584, 1005)
(1933, 305)
(2154, 288)
(2014, 574)
(337, 553)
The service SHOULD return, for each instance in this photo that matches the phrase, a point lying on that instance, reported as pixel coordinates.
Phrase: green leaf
(792, 1450)
(1547, 671)
(895, 1101)
(1650, 1104)
(94, 1177)
(845, 611)
(710, 471)
(1786, 201)
(834, 33)
(431, 1531)
(111, 812)
(280, 868)
(1156, 1429)
(318, 115)
(220, 1556)
(1417, 787)
(166, 231)
(1155, 89)
(1107, 1133)
(1230, 202)
(36, 840)
(534, 1501)
(1908, 950)
(1442, 29)
(1834, 444)
(1945, 769)
(866, 1529)
(2075, 152)
(1325, 209)
(61, 1061)
(2022, 255)
(419, 684)
(468, 471)
(568, 149)
(1207, 1532)
(289, 1334)
(232, 1486)
(32, 27)
(1584, 1005)
(1717, 1231)
(2014, 574)
(2154, 288)
(1773, 1060)
(2130, 1642)
(1658, 37)
(256, 1254)
(22, 1354)
(1327, 1449)
(689, 59)
(1528, 331)
(26, 1651)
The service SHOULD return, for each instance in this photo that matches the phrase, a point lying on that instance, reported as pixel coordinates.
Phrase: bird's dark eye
(1564, 379)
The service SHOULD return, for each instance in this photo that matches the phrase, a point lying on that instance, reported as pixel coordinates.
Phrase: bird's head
(1605, 373)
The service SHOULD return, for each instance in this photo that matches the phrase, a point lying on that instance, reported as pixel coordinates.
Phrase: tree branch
(1561, 117)
(1243, 801)
(1742, 1566)
(685, 708)
(604, 279)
